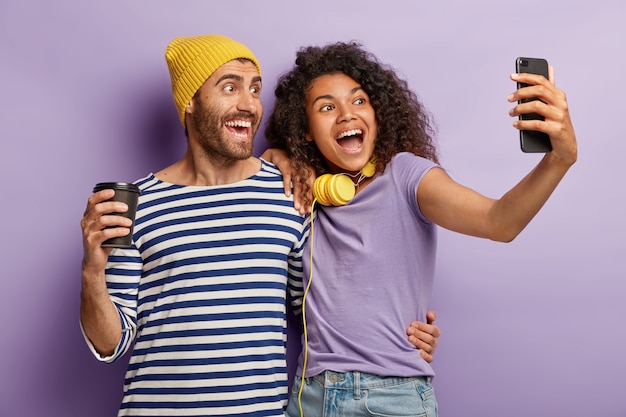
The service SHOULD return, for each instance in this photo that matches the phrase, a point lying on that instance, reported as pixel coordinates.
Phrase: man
(201, 293)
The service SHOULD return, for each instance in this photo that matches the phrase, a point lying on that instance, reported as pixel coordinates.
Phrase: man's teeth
(350, 133)
(238, 123)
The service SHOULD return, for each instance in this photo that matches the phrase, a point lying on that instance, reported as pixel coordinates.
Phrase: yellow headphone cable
(306, 291)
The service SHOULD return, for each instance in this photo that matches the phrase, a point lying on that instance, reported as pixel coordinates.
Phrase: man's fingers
(429, 329)
(431, 316)
(287, 184)
(423, 339)
(426, 356)
(421, 345)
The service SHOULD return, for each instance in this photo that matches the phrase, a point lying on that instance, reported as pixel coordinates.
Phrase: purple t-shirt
(374, 262)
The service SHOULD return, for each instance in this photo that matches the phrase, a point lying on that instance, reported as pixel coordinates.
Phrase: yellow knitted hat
(192, 59)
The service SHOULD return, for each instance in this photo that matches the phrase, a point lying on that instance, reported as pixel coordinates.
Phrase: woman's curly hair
(403, 123)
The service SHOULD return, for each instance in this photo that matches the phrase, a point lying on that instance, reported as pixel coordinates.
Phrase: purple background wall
(534, 327)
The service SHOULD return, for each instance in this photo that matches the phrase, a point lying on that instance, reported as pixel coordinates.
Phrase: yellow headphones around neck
(339, 189)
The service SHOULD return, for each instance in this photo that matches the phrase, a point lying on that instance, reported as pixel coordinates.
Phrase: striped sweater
(201, 296)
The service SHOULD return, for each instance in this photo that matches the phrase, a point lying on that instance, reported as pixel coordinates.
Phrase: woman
(341, 111)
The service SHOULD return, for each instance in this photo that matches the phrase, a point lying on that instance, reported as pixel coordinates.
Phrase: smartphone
(532, 140)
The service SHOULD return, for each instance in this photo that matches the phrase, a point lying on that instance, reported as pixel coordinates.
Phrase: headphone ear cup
(370, 168)
(341, 190)
(333, 190)
(319, 189)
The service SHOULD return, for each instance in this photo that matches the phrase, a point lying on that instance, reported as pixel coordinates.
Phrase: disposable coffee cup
(126, 193)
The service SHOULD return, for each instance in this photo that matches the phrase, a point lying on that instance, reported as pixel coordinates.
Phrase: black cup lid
(123, 186)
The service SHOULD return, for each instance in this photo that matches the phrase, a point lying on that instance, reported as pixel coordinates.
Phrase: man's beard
(214, 141)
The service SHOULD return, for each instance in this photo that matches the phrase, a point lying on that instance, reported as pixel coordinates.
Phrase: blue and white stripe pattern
(202, 297)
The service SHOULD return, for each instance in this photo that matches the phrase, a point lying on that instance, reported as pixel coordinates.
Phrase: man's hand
(98, 316)
(97, 226)
(424, 336)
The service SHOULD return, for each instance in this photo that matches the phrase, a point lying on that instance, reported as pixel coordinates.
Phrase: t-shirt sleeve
(123, 272)
(295, 287)
(408, 170)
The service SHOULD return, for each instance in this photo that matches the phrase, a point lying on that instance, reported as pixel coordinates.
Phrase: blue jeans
(339, 394)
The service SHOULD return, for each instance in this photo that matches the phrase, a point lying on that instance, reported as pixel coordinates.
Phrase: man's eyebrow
(229, 77)
(330, 97)
(236, 77)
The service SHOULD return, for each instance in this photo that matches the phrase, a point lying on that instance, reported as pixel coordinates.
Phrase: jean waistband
(356, 380)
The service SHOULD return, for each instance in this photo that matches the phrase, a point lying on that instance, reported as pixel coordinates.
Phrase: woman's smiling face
(341, 121)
